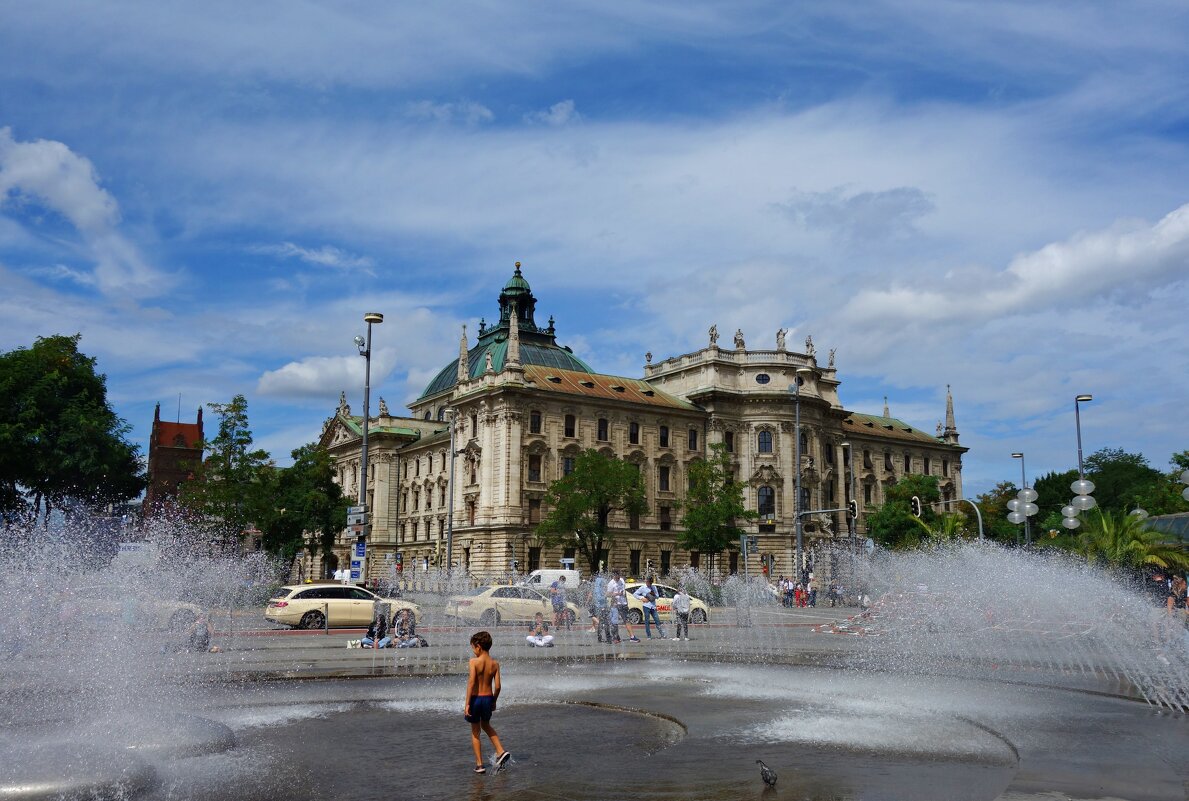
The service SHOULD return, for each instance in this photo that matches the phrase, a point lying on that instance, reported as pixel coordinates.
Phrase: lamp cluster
(1081, 502)
(1185, 481)
(1023, 506)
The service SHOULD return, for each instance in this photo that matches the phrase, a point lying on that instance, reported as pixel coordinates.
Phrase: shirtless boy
(483, 690)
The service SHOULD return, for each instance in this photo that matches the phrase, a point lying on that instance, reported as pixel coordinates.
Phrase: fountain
(978, 673)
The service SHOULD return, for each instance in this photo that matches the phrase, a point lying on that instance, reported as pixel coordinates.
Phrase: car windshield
(479, 590)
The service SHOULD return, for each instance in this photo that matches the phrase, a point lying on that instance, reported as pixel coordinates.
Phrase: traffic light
(400, 562)
(915, 503)
(649, 565)
(852, 509)
(515, 565)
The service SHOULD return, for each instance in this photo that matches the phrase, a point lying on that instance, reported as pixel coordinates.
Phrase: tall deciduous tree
(714, 505)
(306, 498)
(580, 504)
(993, 505)
(893, 525)
(233, 488)
(60, 439)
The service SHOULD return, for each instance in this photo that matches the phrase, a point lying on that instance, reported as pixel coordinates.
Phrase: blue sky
(992, 196)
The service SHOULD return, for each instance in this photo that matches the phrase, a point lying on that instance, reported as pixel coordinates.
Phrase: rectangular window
(665, 518)
(571, 425)
(867, 459)
(471, 512)
(534, 559)
(693, 439)
(666, 561)
(664, 438)
(634, 562)
(604, 430)
(634, 433)
(928, 466)
(416, 501)
(733, 563)
(534, 422)
(474, 426)
(867, 494)
(534, 510)
(907, 463)
(442, 497)
(945, 467)
(695, 559)
(534, 467)
(634, 521)
(728, 439)
(567, 465)
(829, 453)
(662, 478)
(417, 466)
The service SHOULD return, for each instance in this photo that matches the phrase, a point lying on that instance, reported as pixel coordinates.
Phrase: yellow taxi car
(307, 606)
(699, 611)
(99, 605)
(492, 605)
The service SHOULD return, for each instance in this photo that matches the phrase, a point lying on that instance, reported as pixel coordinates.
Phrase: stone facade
(517, 423)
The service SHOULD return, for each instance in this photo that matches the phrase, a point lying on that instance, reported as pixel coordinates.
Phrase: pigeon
(766, 773)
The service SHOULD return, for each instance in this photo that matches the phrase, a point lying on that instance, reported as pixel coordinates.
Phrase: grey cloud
(861, 216)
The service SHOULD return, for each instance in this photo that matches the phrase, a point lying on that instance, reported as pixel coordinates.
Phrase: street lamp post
(1082, 487)
(365, 350)
(1024, 506)
(850, 479)
(450, 492)
(796, 388)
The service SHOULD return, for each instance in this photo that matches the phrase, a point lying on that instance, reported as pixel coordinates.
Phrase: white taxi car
(308, 606)
(699, 611)
(492, 605)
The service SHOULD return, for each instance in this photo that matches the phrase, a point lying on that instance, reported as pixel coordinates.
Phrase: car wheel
(635, 617)
(181, 620)
(697, 616)
(313, 620)
(396, 619)
(490, 617)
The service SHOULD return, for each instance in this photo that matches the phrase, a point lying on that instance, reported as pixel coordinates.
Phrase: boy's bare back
(485, 676)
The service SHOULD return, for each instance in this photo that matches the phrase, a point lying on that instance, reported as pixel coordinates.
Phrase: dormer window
(618, 388)
(649, 393)
(587, 384)
(553, 379)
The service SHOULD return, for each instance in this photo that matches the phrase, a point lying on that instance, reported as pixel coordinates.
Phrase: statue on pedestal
(739, 343)
(713, 336)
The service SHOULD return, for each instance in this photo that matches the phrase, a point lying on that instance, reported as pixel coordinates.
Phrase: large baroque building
(524, 407)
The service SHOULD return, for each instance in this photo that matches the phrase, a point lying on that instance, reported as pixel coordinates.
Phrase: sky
(993, 197)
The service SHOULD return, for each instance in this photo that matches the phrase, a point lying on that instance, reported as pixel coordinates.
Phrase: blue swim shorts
(481, 708)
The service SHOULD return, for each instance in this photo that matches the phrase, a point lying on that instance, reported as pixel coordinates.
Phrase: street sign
(357, 510)
(357, 519)
(360, 550)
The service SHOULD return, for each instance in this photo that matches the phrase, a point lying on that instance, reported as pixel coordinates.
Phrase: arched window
(604, 430)
(441, 413)
(570, 425)
(764, 444)
(634, 433)
(767, 503)
(804, 442)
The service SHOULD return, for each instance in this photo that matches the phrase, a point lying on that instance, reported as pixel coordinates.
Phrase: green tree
(993, 505)
(306, 498)
(1163, 496)
(60, 439)
(893, 525)
(945, 528)
(1052, 493)
(233, 487)
(580, 504)
(1120, 478)
(1123, 541)
(714, 506)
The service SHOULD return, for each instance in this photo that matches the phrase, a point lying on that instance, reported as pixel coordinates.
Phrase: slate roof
(887, 428)
(607, 387)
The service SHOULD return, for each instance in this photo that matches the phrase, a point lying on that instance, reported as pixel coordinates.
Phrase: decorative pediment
(766, 475)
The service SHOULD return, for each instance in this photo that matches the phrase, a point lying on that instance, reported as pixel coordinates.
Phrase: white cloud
(1128, 255)
(866, 217)
(50, 174)
(467, 112)
(325, 256)
(561, 113)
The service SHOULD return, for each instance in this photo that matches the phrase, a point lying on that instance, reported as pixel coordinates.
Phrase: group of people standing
(797, 593)
(608, 608)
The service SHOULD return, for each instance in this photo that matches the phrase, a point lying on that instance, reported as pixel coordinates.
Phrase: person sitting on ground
(539, 635)
(197, 637)
(377, 632)
(406, 631)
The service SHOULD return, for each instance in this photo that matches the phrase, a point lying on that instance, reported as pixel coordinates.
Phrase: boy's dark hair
(481, 639)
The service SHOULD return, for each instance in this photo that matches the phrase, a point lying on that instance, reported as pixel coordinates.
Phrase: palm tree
(1124, 541)
(945, 528)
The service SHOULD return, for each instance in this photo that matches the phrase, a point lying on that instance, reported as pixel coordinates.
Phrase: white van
(540, 580)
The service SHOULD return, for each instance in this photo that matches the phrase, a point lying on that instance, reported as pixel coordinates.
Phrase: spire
(886, 412)
(463, 365)
(951, 428)
(157, 414)
(513, 359)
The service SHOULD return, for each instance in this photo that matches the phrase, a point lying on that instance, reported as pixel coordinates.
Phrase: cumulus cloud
(325, 256)
(48, 173)
(1129, 254)
(558, 114)
(467, 112)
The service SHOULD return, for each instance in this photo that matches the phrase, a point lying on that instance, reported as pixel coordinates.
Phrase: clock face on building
(762, 378)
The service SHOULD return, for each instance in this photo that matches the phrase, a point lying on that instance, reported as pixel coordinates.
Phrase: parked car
(307, 606)
(99, 605)
(492, 605)
(699, 611)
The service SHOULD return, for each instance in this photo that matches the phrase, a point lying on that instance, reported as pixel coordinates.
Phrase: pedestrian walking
(617, 592)
(681, 605)
(648, 595)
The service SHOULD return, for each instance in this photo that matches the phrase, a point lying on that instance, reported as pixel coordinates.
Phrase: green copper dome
(537, 345)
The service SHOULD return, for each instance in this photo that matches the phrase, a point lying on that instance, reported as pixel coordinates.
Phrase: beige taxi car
(99, 605)
(492, 605)
(314, 606)
(699, 611)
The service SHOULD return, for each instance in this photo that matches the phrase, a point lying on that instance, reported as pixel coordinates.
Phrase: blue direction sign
(360, 550)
